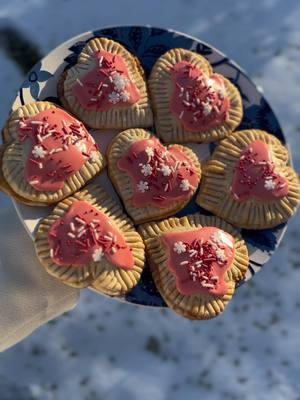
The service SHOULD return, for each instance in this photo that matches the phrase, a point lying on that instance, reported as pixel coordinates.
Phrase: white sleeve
(29, 297)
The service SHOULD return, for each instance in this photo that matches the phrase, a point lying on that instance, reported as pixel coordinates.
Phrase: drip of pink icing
(85, 234)
(254, 175)
(159, 176)
(107, 85)
(199, 259)
(60, 145)
(199, 101)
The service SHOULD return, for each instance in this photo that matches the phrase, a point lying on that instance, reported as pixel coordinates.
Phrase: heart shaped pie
(191, 103)
(196, 262)
(248, 183)
(48, 154)
(154, 181)
(106, 88)
(87, 240)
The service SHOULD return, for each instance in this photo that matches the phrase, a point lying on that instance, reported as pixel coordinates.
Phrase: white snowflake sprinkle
(82, 147)
(185, 185)
(149, 151)
(142, 186)
(120, 82)
(114, 97)
(221, 238)
(207, 109)
(124, 96)
(221, 93)
(94, 156)
(269, 184)
(179, 247)
(220, 255)
(98, 254)
(146, 169)
(217, 237)
(38, 152)
(165, 169)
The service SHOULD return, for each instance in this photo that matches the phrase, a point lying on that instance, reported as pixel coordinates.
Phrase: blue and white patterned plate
(149, 43)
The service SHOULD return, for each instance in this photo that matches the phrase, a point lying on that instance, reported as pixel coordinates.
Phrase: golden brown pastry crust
(102, 275)
(122, 181)
(200, 306)
(168, 127)
(13, 159)
(215, 194)
(138, 114)
(5, 188)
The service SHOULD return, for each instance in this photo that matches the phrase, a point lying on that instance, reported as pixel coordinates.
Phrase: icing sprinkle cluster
(158, 163)
(83, 235)
(160, 175)
(200, 256)
(199, 101)
(120, 93)
(107, 85)
(56, 138)
(255, 174)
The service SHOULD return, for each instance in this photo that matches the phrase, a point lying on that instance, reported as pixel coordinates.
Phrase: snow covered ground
(107, 350)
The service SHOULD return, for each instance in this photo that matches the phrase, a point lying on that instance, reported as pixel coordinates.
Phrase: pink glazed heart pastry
(153, 180)
(48, 154)
(106, 88)
(248, 182)
(190, 102)
(88, 241)
(196, 262)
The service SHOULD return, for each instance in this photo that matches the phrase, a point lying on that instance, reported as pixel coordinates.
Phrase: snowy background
(112, 351)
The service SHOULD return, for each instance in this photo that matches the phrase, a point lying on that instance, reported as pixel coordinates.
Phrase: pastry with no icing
(154, 181)
(88, 240)
(196, 262)
(191, 103)
(106, 88)
(48, 154)
(247, 181)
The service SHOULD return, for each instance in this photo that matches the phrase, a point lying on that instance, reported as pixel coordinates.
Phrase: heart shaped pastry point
(159, 175)
(83, 235)
(200, 102)
(107, 85)
(199, 259)
(255, 175)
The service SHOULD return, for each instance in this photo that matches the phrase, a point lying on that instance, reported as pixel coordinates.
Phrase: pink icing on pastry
(159, 176)
(85, 234)
(107, 85)
(254, 175)
(199, 259)
(199, 101)
(60, 145)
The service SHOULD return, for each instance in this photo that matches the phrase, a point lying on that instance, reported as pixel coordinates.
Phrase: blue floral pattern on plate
(149, 43)
(34, 78)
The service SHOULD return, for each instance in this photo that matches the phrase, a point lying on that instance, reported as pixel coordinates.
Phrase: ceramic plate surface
(149, 43)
